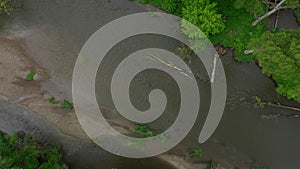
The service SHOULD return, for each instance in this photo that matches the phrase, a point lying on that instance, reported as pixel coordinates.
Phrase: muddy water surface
(55, 31)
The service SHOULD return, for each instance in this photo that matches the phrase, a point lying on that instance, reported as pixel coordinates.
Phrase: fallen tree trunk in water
(285, 107)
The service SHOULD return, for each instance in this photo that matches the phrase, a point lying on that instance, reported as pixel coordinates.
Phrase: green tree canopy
(279, 57)
(204, 15)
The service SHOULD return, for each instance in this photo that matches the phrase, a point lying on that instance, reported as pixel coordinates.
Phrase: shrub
(279, 57)
(256, 7)
(173, 6)
(18, 152)
(204, 15)
(291, 4)
(238, 30)
(201, 13)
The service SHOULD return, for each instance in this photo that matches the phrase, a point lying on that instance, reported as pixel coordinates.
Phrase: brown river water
(243, 136)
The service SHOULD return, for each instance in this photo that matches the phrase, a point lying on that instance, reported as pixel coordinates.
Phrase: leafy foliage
(297, 14)
(258, 103)
(204, 15)
(279, 57)
(31, 75)
(52, 100)
(255, 7)
(66, 105)
(201, 13)
(291, 4)
(5, 7)
(144, 130)
(173, 6)
(238, 30)
(196, 153)
(184, 53)
(26, 153)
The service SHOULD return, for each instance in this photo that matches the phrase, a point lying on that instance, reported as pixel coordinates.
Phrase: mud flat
(24, 106)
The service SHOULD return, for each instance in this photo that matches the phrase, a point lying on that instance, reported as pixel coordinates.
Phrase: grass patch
(196, 153)
(66, 105)
(52, 100)
(30, 76)
(143, 130)
(212, 164)
(258, 103)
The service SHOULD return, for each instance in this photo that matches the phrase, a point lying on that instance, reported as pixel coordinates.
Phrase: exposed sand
(14, 67)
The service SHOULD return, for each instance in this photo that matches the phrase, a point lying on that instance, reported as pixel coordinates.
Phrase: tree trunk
(285, 107)
(213, 72)
(268, 13)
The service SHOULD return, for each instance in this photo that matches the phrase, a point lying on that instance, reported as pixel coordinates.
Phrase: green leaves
(30, 155)
(201, 13)
(291, 4)
(196, 153)
(144, 130)
(184, 53)
(66, 105)
(17, 153)
(238, 30)
(255, 7)
(31, 75)
(5, 7)
(297, 14)
(52, 100)
(279, 57)
(204, 15)
(172, 6)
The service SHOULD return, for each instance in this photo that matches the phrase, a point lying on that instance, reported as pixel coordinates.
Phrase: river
(243, 138)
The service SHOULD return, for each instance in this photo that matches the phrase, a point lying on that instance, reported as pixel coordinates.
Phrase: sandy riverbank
(16, 63)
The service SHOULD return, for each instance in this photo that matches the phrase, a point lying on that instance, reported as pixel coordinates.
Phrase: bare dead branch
(278, 6)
